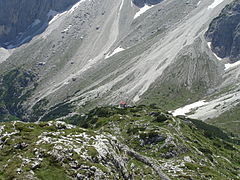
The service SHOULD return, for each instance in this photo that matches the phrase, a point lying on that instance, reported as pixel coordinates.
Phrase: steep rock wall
(16, 16)
(224, 32)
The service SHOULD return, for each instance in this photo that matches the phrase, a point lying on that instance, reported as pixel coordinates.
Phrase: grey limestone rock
(224, 32)
(14, 21)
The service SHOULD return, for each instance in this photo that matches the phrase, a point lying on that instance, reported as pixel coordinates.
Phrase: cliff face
(17, 16)
(224, 32)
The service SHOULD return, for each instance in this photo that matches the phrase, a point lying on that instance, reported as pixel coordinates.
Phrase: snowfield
(188, 108)
(117, 50)
(209, 45)
(215, 4)
(142, 10)
(231, 65)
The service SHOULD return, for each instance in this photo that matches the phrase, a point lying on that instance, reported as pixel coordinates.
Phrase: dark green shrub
(135, 130)
(153, 106)
(209, 130)
(161, 118)
(57, 111)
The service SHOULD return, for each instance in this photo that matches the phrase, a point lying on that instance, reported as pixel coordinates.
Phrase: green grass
(16, 86)
(52, 173)
(213, 154)
(228, 121)
(59, 110)
(92, 151)
(169, 96)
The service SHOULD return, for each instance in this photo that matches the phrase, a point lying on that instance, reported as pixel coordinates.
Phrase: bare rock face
(224, 32)
(142, 3)
(16, 17)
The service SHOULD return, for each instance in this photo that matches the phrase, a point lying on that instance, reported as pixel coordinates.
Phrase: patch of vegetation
(161, 118)
(135, 130)
(92, 152)
(97, 117)
(60, 110)
(228, 121)
(209, 130)
(136, 127)
(152, 137)
(16, 86)
(191, 166)
(38, 109)
(52, 172)
(169, 96)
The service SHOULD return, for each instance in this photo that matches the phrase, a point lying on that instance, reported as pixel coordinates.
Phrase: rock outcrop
(14, 21)
(142, 3)
(224, 32)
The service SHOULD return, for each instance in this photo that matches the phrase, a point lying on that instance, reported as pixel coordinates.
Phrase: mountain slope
(71, 58)
(98, 53)
(131, 143)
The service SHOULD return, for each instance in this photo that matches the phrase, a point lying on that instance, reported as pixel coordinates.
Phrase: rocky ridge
(100, 52)
(131, 143)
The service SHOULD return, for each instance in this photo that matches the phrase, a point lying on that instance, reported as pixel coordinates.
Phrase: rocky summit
(141, 142)
(119, 89)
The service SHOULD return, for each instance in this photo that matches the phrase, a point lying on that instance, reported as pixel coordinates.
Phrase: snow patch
(136, 98)
(56, 15)
(186, 109)
(1, 128)
(142, 10)
(215, 4)
(199, 3)
(75, 6)
(231, 65)
(121, 5)
(4, 54)
(119, 49)
(132, 5)
(67, 29)
(209, 45)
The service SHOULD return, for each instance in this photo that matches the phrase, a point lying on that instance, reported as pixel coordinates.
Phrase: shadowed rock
(14, 21)
(224, 32)
(142, 3)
